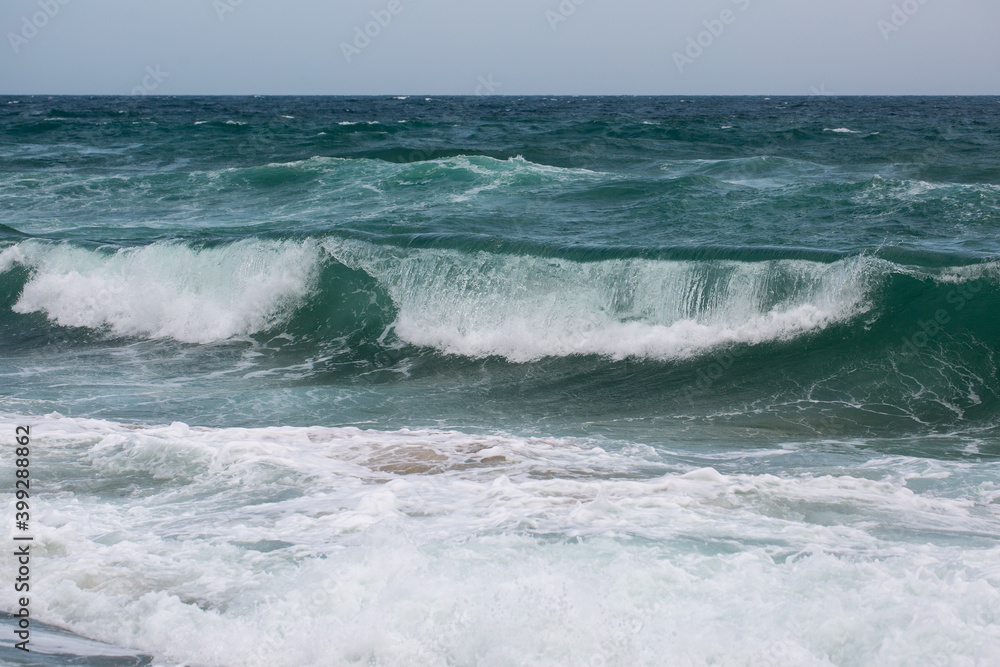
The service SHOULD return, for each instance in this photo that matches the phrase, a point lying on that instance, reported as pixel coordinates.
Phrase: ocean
(503, 381)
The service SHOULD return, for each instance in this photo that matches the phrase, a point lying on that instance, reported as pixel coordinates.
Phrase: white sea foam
(526, 308)
(989, 271)
(166, 290)
(759, 172)
(337, 546)
(841, 130)
(493, 174)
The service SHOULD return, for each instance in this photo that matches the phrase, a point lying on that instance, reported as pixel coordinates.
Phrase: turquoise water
(509, 381)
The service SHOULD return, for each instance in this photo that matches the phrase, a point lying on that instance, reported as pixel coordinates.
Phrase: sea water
(505, 381)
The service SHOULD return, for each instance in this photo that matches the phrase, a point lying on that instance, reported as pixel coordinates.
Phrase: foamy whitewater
(395, 381)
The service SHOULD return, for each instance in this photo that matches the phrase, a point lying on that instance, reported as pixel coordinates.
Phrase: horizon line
(498, 95)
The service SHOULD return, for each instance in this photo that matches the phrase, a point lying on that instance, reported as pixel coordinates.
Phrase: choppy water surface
(496, 381)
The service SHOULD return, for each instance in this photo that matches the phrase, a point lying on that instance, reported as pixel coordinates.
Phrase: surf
(478, 299)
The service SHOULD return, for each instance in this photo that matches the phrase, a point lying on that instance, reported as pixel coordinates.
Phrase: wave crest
(168, 289)
(525, 308)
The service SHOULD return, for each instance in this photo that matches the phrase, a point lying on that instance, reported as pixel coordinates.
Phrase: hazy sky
(513, 47)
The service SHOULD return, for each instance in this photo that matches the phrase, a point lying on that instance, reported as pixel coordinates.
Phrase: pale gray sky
(514, 47)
